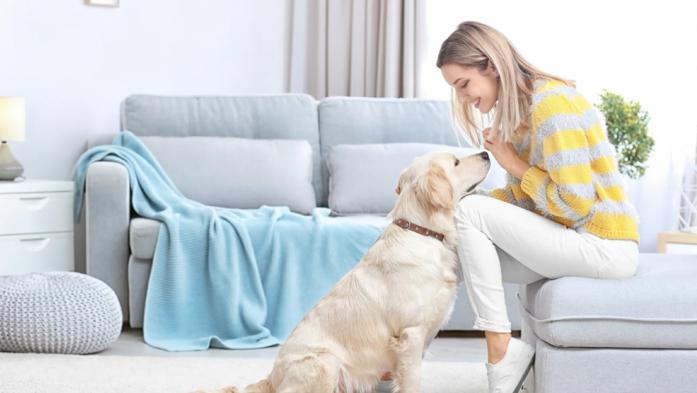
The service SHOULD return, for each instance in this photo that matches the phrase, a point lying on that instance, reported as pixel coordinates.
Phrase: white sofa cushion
(654, 309)
(362, 178)
(238, 172)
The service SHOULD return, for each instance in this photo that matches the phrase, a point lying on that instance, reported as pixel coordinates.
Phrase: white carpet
(38, 373)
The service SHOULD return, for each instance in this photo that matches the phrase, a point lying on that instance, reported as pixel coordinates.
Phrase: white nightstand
(36, 226)
(677, 242)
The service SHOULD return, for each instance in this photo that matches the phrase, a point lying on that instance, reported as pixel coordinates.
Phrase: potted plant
(627, 130)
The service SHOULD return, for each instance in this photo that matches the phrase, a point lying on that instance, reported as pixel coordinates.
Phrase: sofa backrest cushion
(362, 178)
(238, 172)
(332, 121)
(353, 120)
(279, 116)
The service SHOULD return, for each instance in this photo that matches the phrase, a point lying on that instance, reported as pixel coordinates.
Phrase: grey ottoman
(633, 335)
(57, 312)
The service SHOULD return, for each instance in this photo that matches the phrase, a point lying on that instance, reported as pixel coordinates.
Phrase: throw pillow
(239, 172)
(362, 178)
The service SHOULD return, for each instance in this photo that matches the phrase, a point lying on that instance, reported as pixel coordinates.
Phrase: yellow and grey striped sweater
(573, 178)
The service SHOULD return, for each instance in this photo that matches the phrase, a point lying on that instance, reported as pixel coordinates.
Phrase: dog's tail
(227, 389)
(263, 386)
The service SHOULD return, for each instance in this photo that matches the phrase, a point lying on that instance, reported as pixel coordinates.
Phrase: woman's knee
(620, 271)
(621, 264)
(469, 209)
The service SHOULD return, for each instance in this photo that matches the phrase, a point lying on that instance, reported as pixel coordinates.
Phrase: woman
(563, 211)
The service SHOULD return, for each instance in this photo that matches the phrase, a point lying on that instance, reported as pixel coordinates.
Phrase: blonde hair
(475, 44)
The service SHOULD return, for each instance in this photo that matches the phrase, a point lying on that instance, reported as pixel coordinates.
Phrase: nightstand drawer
(35, 253)
(36, 212)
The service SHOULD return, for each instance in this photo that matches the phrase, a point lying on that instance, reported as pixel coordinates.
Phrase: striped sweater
(573, 178)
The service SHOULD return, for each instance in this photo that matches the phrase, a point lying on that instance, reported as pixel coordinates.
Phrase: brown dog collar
(418, 229)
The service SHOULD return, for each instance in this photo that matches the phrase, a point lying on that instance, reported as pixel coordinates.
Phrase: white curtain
(688, 202)
(370, 48)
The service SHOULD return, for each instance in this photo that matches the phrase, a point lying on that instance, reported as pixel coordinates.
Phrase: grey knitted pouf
(57, 312)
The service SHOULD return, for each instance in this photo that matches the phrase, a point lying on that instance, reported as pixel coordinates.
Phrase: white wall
(645, 51)
(75, 63)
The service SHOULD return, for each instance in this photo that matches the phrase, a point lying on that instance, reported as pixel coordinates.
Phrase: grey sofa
(120, 245)
(635, 335)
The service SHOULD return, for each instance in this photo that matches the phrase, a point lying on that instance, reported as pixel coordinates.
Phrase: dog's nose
(484, 155)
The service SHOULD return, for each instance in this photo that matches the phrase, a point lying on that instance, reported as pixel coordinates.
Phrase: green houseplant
(627, 129)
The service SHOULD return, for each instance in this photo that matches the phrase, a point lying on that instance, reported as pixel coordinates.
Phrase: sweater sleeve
(564, 188)
(504, 193)
(511, 193)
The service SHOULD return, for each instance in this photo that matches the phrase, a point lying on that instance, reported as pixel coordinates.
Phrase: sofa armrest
(107, 215)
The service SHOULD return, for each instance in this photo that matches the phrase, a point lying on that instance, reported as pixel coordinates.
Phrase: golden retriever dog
(382, 315)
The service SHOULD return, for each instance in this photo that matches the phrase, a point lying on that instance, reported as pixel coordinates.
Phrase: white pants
(498, 242)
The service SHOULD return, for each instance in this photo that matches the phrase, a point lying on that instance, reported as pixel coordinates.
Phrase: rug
(39, 373)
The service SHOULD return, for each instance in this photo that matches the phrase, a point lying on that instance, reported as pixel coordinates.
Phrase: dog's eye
(457, 162)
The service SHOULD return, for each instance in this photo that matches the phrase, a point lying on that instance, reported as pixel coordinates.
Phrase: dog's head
(437, 181)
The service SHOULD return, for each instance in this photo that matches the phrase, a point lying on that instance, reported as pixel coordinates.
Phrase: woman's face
(472, 86)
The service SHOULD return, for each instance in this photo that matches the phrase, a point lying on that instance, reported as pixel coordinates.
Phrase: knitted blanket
(227, 278)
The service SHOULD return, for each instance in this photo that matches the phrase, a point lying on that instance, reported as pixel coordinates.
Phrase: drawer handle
(35, 203)
(35, 244)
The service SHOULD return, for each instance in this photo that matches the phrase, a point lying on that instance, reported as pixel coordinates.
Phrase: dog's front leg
(408, 349)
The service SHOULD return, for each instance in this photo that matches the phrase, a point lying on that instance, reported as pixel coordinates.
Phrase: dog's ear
(403, 178)
(434, 191)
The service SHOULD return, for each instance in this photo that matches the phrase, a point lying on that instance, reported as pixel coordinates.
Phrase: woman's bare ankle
(496, 345)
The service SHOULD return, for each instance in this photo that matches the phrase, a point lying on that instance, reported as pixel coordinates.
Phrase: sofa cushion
(362, 178)
(358, 120)
(653, 309)
(274, 116)
(239, 172)
(377, 220)
(142, 233)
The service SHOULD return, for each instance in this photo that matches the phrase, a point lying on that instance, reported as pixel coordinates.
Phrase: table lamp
(12, 124)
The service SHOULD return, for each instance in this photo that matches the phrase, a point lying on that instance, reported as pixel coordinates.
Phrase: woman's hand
(505, 154)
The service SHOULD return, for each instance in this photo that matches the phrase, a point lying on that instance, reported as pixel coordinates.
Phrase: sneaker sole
(525, 375)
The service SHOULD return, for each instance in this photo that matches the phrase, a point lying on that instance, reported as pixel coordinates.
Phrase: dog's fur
(381, 316)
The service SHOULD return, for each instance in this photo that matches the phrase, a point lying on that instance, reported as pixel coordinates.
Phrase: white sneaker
(508, 374)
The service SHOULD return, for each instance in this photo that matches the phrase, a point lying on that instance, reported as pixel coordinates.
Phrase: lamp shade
(12, 118)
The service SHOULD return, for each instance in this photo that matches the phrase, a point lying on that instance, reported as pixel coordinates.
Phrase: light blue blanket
(228, 278)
